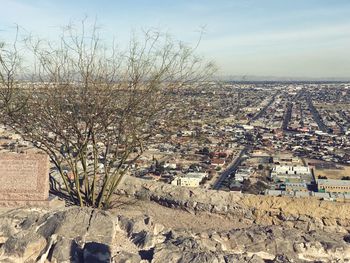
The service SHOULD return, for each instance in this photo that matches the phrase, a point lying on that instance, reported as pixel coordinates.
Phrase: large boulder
(68, 235)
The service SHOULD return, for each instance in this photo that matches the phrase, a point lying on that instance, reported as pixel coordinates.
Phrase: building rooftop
(334, 182)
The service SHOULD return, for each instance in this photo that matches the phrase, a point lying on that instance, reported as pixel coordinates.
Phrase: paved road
(315, 114)
(263, 110)
(231, 169)
(287, 116)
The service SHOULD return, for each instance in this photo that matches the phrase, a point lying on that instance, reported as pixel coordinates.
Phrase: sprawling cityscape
(175, 131)
(290, 139)
(262, 138)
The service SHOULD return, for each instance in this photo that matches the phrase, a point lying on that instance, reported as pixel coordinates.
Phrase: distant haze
(292, 39)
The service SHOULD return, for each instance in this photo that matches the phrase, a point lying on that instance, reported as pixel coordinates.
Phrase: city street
(231, 168)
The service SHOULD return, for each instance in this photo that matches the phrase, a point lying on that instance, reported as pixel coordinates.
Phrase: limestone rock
(66, 250)
(258, 230)
(126, 257)
(24, 246)
(27, 235)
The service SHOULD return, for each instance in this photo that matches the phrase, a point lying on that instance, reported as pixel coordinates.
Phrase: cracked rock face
(69, 235)
(87, 235)
(262, 210)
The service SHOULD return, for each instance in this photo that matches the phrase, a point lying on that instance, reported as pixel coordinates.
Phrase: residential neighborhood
(288, 132)
(259, 138)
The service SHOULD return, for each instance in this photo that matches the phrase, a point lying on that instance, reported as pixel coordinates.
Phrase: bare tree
(10, 70)
(93, 108)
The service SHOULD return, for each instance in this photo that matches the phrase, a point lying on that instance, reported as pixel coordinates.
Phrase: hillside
(161, 223)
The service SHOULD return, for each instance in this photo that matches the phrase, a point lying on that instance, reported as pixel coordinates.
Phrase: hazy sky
(291, 38)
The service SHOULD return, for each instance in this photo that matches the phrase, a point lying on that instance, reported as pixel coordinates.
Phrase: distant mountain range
(249, 78)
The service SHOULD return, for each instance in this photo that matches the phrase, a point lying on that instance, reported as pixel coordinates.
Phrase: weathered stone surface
(65, 250)
(266, 210)
(24, 177)
(101, 228)
(78, 233)
(126, 257)
(241, 258)
(24, 246)
(88, 235)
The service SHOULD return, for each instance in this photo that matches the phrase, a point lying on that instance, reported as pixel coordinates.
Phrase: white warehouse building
(291, 173)
(190, 179)
(290, 170)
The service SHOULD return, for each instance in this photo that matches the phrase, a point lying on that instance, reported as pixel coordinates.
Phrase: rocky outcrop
(264, 243)
(266, 210)
(242, 228)
(86, 235)
(33, 235)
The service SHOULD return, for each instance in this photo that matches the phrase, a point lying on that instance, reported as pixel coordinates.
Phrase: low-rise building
(300, 187)
(189, 180)
(289, 173)
(333, 186)
(243, 174)
(217, 162)
(290, 170)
